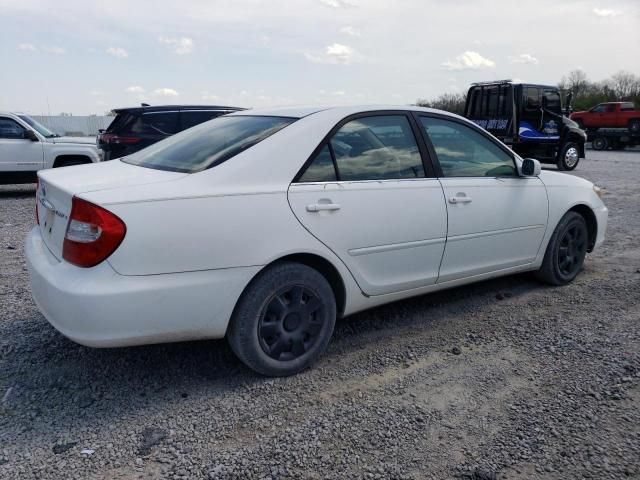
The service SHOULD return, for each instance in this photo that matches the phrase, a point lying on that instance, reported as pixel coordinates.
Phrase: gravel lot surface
(503, 379)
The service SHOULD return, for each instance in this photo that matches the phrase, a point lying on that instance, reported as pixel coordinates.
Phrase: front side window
(9, 128)
(532, 98)
(611, 108)
(598, 109)
(377, 148)
(208, 144)
(465, 152)
(553, 100)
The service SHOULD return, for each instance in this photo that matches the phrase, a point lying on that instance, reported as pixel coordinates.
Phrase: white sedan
(265, 226)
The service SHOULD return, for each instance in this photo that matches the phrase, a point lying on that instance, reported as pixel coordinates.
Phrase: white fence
(75, 126)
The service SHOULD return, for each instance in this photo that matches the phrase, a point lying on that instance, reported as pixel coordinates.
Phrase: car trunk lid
(57, 187)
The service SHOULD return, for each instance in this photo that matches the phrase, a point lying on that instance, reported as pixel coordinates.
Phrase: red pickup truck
(609, 115)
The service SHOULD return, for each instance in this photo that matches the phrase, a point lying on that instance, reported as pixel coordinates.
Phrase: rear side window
(377, 148)
(156, 123)
(321, 168)
(207, 145)
(627, 106)
(191, 118)
(369, 148)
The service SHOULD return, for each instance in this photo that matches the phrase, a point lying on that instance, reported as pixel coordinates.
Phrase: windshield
(41, 129)
(208, 144)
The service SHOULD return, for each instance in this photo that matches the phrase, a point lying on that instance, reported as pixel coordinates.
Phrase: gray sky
(87, 57)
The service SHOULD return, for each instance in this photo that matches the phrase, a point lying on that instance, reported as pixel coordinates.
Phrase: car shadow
(79, 385)
(17, 191)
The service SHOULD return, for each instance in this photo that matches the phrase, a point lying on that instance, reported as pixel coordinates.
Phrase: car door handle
(323, 207)
(460, 199)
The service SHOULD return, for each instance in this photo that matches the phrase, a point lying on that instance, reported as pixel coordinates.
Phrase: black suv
(136, 128)
(529, 118)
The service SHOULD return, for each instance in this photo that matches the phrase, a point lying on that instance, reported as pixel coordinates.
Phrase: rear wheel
(634, 126)
(284, 320)
(566, 250)
(568, 157)
(599, 143)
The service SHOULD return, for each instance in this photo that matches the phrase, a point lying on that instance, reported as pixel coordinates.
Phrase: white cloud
(334, 53)
(117, 52)
(350, 31)
(179, 46)
(165, 92)
(469, 61)
(209, 96)
(55, 50)
(27, 47)
(524, 58)
(134, 89)
(335, 3)
(606, 12)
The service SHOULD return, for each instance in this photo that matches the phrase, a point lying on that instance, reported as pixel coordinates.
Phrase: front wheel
(566, 251)
(284, 320)
(568, 157)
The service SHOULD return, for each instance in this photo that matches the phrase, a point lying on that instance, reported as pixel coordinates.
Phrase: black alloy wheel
(291, 323)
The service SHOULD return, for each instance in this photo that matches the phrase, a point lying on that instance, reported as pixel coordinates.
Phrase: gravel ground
(503, 379)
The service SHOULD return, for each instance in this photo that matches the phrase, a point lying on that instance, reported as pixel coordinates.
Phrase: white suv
(27, 146)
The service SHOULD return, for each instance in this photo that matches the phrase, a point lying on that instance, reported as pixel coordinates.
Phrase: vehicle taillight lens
(93, 234)
(113, 138)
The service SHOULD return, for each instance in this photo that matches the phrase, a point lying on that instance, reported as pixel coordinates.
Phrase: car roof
(162, 108)
(345, 110)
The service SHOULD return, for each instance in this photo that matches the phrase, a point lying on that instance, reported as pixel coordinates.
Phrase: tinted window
(191, 118)
(10, 128)
(464, 152)
(377, 148)
(208, 144)
(321, 168)
(155, 123)
(611, 108)
(532, 98)
(598, 109)
(553, 100)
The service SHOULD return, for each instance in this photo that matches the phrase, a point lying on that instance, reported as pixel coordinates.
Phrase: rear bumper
(98, 307)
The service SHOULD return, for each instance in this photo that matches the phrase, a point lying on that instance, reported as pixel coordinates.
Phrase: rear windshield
(208, 144)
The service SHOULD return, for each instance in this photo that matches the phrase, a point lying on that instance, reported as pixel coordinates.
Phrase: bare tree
(625, 85)
(449, 102)
(576, 81)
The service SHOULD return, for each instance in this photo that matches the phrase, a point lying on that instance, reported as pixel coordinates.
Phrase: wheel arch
(592, 223)
(326, 269)
(60, 160)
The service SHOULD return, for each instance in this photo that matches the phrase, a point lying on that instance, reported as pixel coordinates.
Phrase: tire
(569, 156)
(599, 143)
(271, 330)
(634, 126)
(566, 250)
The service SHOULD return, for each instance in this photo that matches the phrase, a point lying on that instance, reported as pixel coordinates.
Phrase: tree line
(622, 86)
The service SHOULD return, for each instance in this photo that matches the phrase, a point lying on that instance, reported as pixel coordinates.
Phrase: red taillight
(113, 138)
(93, 234)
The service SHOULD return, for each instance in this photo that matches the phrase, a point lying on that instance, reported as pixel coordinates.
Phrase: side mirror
(531, 167)
(31, 135)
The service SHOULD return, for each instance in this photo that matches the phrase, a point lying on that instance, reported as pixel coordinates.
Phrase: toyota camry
(265, 226)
